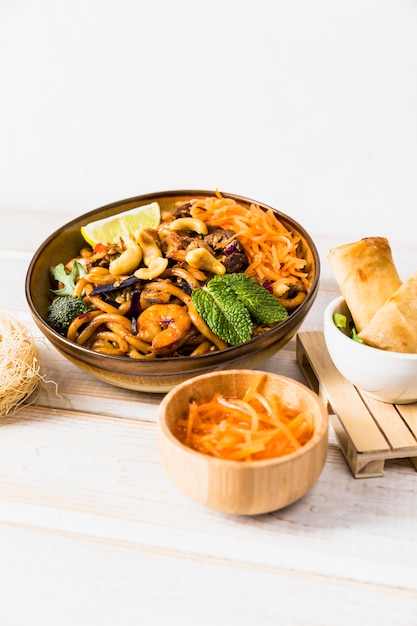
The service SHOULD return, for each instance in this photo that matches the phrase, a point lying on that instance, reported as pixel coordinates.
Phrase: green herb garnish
(340, 321)
(355, 336)
(68, 280)
(261, 304)
(229, 304)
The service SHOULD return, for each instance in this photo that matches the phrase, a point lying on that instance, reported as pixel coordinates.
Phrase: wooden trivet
(369, 432)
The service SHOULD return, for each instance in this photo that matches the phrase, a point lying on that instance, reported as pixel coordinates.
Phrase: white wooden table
(93, 533)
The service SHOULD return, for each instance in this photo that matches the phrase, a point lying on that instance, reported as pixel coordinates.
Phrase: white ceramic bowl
(383, 375)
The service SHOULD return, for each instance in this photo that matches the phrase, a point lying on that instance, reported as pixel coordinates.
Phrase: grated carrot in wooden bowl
(252, 428)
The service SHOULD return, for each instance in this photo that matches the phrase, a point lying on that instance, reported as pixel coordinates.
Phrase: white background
(309, 106)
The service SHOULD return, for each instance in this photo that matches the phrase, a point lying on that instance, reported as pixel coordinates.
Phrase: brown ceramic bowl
(156, 375)
(237, 487)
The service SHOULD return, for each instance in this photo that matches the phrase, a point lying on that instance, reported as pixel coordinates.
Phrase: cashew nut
(128, 261)
(156, 266)
(149, 247)
(279, 289)
(189, 223)
(202, 259)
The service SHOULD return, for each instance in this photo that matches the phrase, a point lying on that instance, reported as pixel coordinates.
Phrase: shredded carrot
(256, 427)
(273, 251)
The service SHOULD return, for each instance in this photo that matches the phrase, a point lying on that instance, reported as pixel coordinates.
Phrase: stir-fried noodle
(144, 309)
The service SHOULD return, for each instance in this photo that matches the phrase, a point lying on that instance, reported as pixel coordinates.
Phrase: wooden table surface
(93, 533)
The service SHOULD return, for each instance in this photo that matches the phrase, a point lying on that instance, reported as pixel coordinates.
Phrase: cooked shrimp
(164, 326)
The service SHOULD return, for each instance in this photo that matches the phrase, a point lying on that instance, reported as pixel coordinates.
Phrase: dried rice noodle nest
(19, 363)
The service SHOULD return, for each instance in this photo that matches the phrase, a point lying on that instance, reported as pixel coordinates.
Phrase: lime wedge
(111, 229)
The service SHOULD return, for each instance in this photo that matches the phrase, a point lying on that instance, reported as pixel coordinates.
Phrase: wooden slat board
(368, 431)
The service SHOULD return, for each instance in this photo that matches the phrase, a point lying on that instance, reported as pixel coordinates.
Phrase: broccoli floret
(63, 310)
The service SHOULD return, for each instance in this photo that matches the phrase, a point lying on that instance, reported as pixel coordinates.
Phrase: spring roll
(366, 275)
(394, 326)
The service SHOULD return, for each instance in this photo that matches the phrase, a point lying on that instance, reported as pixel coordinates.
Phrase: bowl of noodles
(218, 281)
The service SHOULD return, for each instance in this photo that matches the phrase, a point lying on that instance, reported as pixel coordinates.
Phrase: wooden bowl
(241, 487)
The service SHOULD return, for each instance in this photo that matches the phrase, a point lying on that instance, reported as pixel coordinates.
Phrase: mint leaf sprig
(230, 303)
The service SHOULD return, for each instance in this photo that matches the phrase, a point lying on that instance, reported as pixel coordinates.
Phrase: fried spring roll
(394, 325)
(366, 275)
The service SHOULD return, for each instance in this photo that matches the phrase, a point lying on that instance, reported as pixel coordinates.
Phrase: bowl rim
(317, 437)
(292, 321)
(377, 352)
